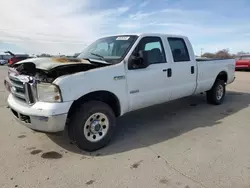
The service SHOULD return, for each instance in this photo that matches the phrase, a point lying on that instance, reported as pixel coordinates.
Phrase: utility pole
(202, 51)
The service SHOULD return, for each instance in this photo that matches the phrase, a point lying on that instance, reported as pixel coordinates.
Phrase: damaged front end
(31, 80)
(48, 69)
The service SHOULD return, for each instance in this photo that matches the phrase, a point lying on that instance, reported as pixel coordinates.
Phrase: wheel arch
(222, 76)
(105, 96)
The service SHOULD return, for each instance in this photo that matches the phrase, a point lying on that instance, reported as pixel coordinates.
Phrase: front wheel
(217, 94)
(93, 125)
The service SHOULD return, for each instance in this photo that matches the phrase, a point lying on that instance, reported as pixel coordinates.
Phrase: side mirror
(139, 60)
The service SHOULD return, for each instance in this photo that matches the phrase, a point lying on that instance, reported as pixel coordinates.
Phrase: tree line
(223, 54)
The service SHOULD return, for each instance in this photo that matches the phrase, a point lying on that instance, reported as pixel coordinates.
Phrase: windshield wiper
(97, 55)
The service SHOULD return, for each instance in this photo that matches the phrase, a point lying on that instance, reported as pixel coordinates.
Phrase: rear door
(148, 86)
(183, 80)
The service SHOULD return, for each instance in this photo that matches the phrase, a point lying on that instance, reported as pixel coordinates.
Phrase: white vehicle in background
(4, 58)
(111, 77)
(3, 62)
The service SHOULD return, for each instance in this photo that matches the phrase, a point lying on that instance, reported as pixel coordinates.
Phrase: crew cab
(111, 77)
(243, 62)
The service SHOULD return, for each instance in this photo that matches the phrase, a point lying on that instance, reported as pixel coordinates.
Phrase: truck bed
(208, 69)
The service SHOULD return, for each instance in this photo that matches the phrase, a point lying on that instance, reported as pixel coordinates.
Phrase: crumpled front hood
(50, 63)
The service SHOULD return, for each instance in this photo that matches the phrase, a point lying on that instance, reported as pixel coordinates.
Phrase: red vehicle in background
(243, 62)
(16, 58)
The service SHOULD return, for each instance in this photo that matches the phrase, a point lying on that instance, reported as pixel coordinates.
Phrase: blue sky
(62, 26)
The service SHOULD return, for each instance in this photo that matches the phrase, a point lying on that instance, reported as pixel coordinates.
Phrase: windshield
(110, 49)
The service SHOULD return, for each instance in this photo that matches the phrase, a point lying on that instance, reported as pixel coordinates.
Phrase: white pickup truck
(112, 76)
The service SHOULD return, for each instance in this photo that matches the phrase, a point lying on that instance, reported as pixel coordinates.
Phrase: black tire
(213, 96)
(82, 115)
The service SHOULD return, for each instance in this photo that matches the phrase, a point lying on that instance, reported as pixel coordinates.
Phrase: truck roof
(148, 34)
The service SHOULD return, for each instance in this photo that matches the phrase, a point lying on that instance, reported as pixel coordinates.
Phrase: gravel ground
(182, 144)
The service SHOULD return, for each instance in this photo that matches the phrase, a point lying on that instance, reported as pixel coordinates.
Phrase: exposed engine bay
(65, 67)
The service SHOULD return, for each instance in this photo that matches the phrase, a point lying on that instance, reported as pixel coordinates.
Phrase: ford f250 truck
(112, 76)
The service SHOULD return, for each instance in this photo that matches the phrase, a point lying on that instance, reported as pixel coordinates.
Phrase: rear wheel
(93, 125)
(217, 93)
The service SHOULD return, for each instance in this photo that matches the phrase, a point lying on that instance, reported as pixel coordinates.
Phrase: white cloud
(128, 26)
(141, 15)
(63, 26)
(123, 9)
(143, 4)
(198, 25)
(52, 26)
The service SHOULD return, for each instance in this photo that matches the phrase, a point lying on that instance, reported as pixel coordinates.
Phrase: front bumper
(45, 117)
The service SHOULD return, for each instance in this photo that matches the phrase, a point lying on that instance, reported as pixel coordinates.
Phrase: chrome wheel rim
(219, 92)
(96, 127)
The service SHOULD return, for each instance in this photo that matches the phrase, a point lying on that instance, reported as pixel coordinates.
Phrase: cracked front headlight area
(48, 93)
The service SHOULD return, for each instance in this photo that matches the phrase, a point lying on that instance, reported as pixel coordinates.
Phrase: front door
(147, 86)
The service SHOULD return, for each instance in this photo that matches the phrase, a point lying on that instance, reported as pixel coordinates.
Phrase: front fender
(79, 84)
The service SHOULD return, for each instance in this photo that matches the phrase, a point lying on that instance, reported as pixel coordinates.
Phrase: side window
(154, 47)
(179, 49)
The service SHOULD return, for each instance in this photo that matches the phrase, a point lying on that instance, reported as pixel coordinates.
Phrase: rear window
(179, 49)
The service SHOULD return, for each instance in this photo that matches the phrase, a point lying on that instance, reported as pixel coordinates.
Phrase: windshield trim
(99, 61)
(114, 61)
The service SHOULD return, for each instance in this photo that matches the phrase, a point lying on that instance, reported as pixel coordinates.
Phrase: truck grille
(23, 90)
